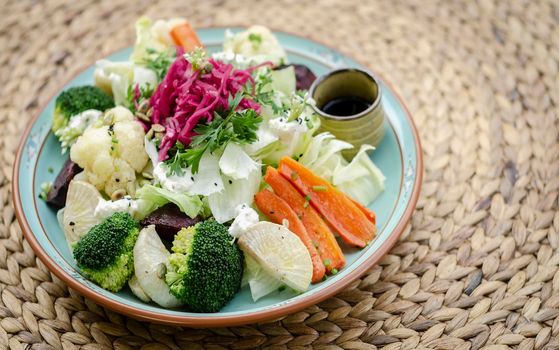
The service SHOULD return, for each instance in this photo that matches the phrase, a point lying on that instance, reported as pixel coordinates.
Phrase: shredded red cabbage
(187, 96)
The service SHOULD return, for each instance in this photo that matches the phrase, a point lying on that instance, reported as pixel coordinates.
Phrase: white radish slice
(150, 265)
(280, 253)
(79, 214)
(137, 289)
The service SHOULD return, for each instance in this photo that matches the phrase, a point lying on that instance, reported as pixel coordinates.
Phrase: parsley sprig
(236, 126)
(159, 62)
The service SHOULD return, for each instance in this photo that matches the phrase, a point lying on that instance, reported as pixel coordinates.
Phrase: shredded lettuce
(235, 192)
(323, 155)
(116, 78)
(260, 282)
(283, 80)
(156, 197)
(151, 151)
(235, 163)
(207, 180)
(360, 179)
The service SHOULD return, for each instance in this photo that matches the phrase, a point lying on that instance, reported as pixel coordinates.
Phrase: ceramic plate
(398, 156)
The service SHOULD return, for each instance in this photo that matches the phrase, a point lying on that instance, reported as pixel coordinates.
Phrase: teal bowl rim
(201, 321)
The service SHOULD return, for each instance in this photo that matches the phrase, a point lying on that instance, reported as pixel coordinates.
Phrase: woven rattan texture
(477, 268)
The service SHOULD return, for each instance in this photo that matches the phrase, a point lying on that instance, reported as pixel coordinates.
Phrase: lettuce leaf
(360, 179)
(260, 282)
(323, 155)
(154, 197)
(207, 180)
(235, 192)
(116, 78)
(283, 80)
(235, 163)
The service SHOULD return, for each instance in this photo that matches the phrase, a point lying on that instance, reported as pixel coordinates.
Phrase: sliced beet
(57, 194)
(303, 75)
(168, 220)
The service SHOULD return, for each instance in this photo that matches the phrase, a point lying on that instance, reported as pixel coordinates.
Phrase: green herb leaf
(307, 200)
(45, 189)
(237, 126)
(159, 62)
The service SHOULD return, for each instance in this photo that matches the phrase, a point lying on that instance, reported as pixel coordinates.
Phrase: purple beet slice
(57, 194)
(169, 220)
(303, 75)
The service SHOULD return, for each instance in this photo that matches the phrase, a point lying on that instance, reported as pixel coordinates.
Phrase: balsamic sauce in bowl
(345, 106)
(348, 102)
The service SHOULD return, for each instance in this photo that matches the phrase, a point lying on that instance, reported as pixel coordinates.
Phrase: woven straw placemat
(478, 266)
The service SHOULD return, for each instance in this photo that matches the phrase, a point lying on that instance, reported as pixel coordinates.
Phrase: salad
(192, 174)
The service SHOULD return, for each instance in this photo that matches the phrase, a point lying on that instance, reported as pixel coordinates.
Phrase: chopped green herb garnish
(307, 200)
(321, 188)
(50, 170)
(256, 39)
(265, 94)
(327, 262)
(281, 288)
(159, 62)
(333, 272)
(45, 189)
(198, 59)
(237, 126)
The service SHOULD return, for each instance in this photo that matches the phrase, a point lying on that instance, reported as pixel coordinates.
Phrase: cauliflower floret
(112, 153)
(257, 43)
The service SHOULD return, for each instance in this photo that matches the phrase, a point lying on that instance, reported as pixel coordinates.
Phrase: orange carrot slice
(341, 213)
(323, 239)
(368, 212)
(183, 35)
(277, 210)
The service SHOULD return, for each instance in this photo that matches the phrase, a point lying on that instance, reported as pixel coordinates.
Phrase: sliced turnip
(150, 265)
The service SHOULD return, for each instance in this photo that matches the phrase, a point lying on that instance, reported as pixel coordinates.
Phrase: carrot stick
(318, 230)
(368, 212)
(183, 35)
(278, 210)
(341, 213)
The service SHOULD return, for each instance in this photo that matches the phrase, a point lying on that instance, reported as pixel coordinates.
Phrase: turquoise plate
(398, 156)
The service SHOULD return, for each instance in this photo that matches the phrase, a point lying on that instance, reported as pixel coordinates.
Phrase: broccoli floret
(206, 267)
(74, 101)
(105, 253)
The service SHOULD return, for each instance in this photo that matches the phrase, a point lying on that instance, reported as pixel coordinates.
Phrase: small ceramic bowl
(365, 127)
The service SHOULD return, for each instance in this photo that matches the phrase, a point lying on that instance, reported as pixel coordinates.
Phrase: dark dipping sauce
(345, 106)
